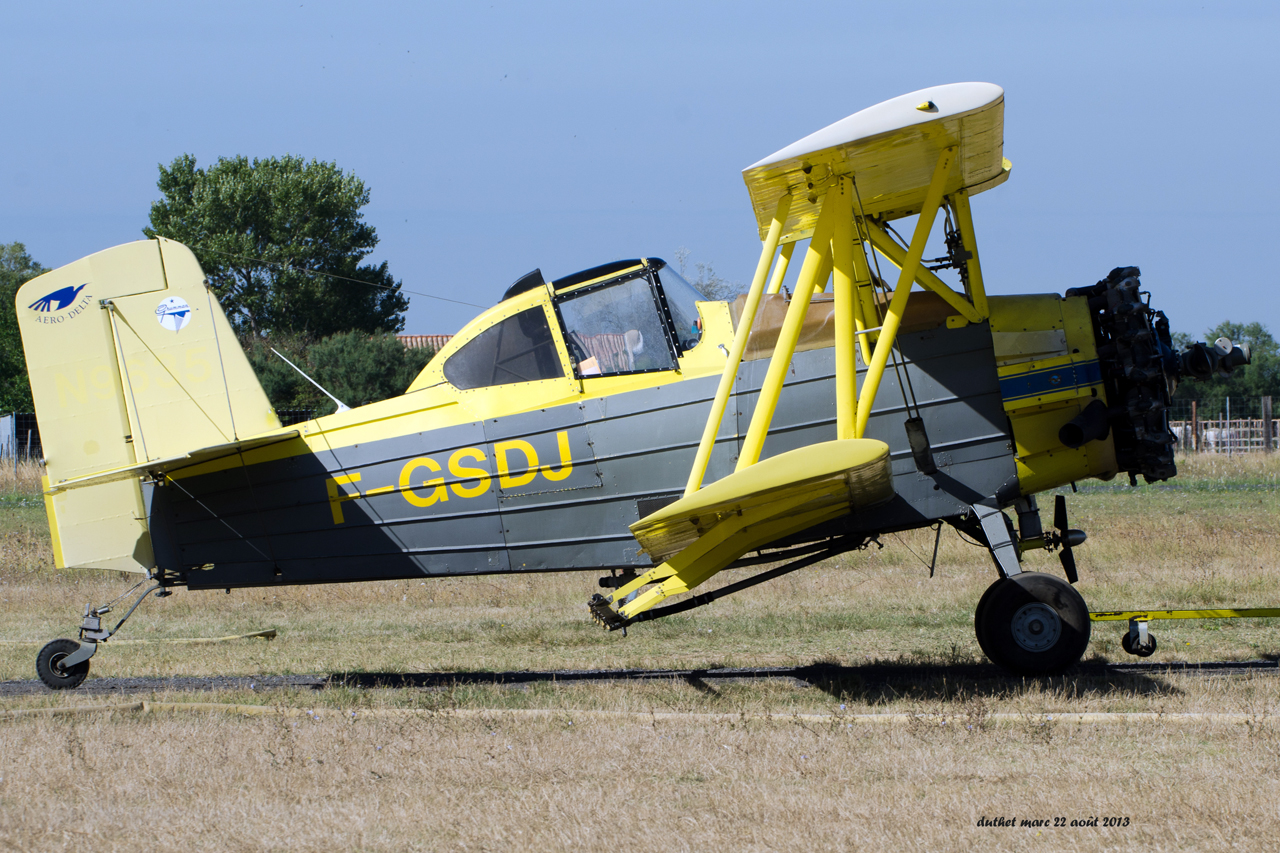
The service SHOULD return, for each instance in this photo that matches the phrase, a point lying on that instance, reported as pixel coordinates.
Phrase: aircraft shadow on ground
(871, 683)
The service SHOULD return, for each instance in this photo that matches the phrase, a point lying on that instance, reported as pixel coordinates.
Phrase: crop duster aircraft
(617, 420)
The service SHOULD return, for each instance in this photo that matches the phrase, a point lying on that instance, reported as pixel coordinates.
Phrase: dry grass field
(558, 761)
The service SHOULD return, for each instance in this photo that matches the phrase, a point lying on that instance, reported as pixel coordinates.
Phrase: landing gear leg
(999, 534)
(1032, 624)
(63, 664)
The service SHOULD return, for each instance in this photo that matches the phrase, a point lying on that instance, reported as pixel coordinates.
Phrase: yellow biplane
(618, 420)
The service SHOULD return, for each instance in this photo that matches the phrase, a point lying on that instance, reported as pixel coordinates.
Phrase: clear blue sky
(499, 137)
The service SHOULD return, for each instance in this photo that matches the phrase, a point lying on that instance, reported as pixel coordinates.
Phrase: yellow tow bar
(1139, 641)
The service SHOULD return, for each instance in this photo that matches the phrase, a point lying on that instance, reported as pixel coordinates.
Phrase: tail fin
(131, 360)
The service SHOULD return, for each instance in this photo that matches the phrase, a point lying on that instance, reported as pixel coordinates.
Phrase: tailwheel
(49, 666)
(1032, 624)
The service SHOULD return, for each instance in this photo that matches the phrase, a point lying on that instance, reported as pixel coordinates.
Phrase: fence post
(1267, 444)
(1226, 427)
(1195, 428)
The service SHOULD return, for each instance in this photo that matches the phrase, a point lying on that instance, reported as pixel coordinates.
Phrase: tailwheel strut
(63, 664)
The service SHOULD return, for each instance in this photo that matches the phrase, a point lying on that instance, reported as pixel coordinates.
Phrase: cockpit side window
(616, 327)
(517, 349)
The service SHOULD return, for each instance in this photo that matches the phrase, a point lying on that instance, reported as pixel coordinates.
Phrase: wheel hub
(1036, 627)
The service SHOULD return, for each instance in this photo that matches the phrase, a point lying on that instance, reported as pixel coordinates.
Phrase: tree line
(284, 246)
(1259, 378)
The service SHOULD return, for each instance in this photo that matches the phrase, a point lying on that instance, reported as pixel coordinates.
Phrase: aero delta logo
(174, 313)
(61, 304)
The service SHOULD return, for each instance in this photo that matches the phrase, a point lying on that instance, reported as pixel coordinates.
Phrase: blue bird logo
(63, 298)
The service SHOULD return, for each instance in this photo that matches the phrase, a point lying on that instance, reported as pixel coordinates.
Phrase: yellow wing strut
(785, 348)
(725, 388)
(897, 305)
(780, 269)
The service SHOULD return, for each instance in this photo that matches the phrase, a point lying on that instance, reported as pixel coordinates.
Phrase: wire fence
(1234, 425)
(20, 437)
(289, 417)
(20, 433)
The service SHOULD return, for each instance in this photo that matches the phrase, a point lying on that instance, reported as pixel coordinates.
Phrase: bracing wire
(296, 268)
(217, 517)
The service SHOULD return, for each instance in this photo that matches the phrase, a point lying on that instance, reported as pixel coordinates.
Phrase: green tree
(16, 268)
(355, 367)
(709, 283)
(1261, 377)
(264, 231)
(359, 368)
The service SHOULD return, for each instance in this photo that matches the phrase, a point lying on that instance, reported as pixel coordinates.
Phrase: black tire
(47, 666)
(980, 623)
(1141, 651)
(1033, 624)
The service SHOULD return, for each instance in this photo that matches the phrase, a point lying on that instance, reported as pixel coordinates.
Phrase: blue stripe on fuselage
(1050, 380)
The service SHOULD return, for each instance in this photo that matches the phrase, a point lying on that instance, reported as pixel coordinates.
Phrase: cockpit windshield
(681, 301)
(615, 327)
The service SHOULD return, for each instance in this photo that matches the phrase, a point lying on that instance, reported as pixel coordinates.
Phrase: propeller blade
(1069, 564)
(1064, 538)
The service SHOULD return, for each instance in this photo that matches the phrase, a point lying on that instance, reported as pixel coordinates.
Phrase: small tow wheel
(1032, 624)
(49, 666)
(1133, 647)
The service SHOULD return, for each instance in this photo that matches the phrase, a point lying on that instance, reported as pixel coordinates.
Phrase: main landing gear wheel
(48, 666)
(980, 623)
(1032, 624)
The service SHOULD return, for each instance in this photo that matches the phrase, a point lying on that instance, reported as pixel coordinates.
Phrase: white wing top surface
(890, 150)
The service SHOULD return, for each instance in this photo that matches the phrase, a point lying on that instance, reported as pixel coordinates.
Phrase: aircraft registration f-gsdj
(618, 420)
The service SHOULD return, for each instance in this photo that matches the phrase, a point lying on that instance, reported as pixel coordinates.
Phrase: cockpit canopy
(634, 316)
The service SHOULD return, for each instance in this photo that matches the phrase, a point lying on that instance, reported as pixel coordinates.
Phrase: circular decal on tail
(173, 313)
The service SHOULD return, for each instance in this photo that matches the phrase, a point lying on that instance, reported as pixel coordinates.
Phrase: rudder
(131, 360)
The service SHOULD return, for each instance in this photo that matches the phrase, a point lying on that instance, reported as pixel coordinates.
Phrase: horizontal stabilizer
(854, 473)
(173, 463)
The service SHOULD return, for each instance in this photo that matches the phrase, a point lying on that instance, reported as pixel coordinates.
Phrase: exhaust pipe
(1090, 425)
